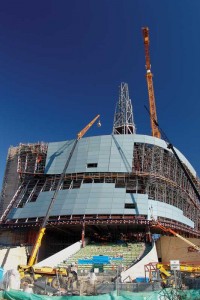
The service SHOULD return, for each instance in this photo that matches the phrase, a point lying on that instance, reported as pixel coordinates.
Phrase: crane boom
(149, 77)
(44, 223)
(87, 127)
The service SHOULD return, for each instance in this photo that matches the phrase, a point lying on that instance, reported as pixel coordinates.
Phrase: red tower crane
(149, 77)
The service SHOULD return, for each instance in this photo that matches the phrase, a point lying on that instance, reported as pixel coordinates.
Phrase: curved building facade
(113, 186)
(111, 179)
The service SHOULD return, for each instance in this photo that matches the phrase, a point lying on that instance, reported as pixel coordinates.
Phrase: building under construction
(111, 188)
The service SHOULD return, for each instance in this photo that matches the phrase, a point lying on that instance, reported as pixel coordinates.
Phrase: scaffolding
(32, 158)
(11, 179)
(155, 172)
(165, 180)
(20, 183)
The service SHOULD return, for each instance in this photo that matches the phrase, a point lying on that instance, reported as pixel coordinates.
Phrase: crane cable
(171, 147)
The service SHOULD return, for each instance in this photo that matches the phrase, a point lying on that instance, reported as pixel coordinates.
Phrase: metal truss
(23, 164)
(165, 180)
(32, 158)
(155, 172)
(123, 118)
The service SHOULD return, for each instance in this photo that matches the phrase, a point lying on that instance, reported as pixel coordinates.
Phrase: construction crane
(24, 270)
(149, 77)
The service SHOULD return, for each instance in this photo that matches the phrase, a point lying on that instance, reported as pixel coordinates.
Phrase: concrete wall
(59, 257)
(10, 258)
(138, 269)
(173, 248)
(12, 238)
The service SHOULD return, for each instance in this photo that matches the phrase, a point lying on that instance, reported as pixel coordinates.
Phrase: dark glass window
(93, 165)
(130, 205)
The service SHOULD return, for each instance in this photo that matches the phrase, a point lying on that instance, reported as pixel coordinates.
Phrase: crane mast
(149, 77)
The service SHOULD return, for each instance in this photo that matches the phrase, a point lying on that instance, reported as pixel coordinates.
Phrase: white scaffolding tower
(123, 118)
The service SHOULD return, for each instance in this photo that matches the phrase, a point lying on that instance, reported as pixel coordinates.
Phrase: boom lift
(163, 272)
(149, 77)
(29, 272)
(166, 229)
(164, 268)
(184, 267)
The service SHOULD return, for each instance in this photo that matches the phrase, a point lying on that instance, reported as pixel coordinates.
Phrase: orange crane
(149, 77)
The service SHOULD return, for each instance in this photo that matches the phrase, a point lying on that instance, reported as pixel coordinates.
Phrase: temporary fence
(167, 294)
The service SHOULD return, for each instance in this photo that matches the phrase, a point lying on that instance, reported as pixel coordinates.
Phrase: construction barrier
(167, 294)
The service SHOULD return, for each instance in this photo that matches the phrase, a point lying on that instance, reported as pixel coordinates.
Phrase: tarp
(100, 259)
(19, 295)
(123, 295)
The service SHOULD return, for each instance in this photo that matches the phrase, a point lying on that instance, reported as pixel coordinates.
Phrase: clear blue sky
(61, 63)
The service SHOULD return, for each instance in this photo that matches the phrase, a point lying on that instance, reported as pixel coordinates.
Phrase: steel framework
(31, 158)
(20, 182)
(123, 118)
(155, 171)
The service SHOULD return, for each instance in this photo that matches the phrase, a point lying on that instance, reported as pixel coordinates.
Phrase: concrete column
(83, 235)
(148, 236)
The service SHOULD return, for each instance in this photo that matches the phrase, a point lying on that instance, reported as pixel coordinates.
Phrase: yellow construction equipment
(149, 77)
(184, 267)
(162, 272)
(29, 272)
(168, 276)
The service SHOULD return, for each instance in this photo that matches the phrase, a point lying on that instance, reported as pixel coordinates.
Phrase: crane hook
(99, 123)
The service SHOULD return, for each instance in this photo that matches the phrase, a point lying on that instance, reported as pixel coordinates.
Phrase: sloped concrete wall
(138, 269)
(60, 256)
(10, 258)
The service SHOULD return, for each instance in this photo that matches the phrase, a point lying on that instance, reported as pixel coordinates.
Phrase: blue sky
(61, 63)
